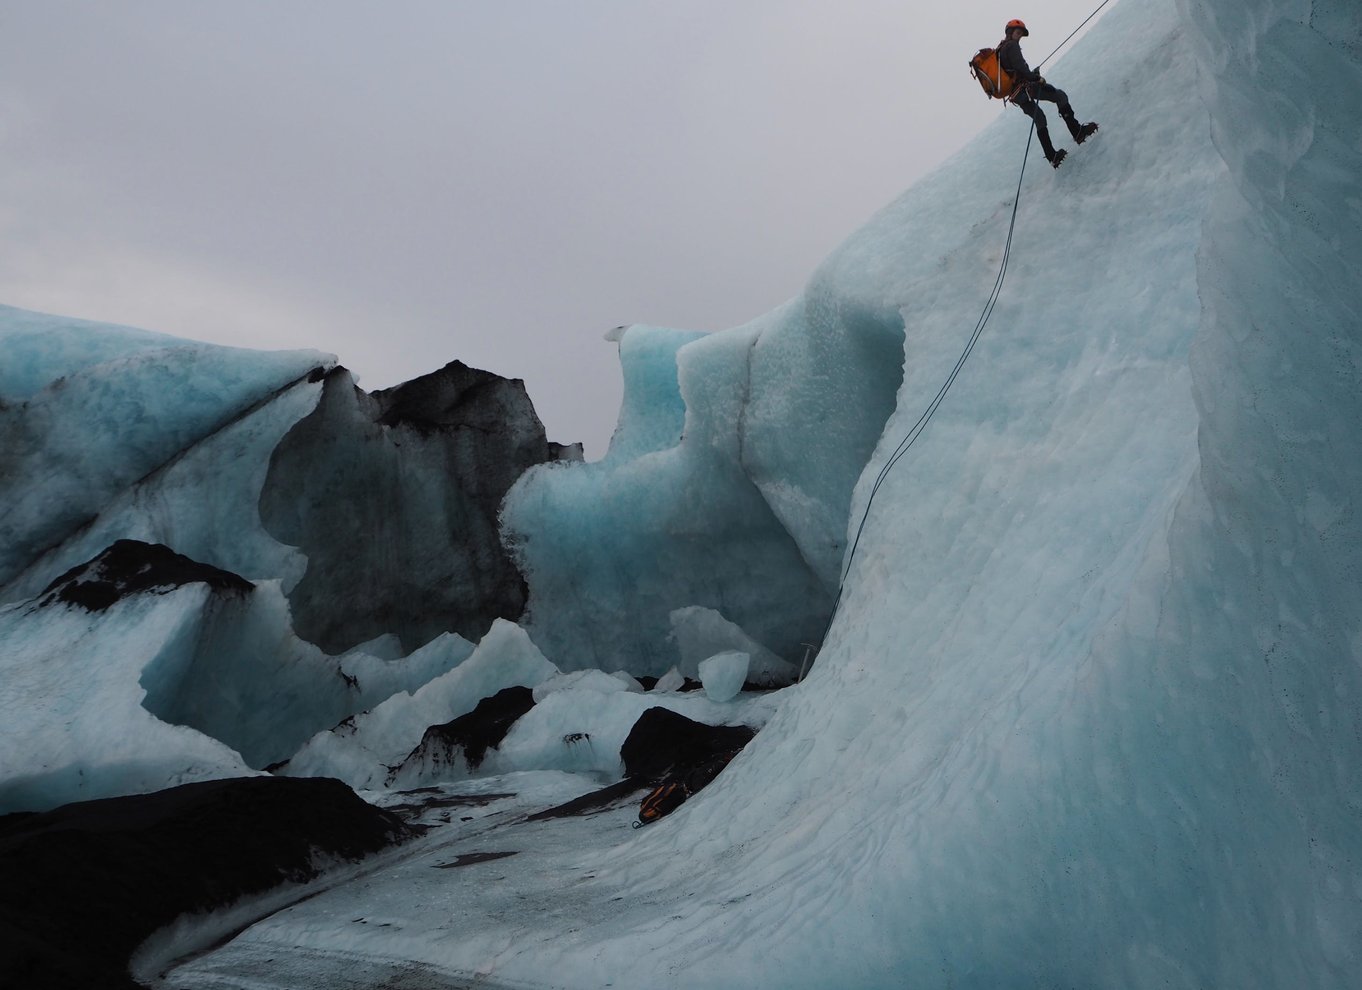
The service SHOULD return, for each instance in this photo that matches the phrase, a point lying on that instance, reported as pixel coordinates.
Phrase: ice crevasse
(1090, 713)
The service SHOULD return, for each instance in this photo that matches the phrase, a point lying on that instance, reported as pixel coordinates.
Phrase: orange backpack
(661, 801)
(997, 82)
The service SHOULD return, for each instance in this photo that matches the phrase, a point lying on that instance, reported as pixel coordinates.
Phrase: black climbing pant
(1026, 98)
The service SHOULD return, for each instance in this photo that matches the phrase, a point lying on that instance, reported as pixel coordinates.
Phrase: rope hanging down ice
(1072, 33)
(926, 417)
(940, 396)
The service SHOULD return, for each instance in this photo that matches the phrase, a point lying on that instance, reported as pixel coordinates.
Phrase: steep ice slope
(1048, 741)
(1088, 715)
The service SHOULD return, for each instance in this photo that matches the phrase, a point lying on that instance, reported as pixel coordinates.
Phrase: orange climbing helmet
(1015, 23)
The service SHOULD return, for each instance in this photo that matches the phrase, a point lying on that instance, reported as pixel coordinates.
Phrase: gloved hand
(1040, 80)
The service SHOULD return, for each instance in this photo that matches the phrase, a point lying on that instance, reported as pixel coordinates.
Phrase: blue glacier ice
(1089, 712)
(88, 411)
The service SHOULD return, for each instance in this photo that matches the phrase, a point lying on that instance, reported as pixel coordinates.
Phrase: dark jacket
(1011, 59)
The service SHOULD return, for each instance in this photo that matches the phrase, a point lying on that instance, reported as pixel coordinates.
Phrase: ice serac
(203, 502)
(91, 412)
(393, 497)
(142, 669)
(363, 749)
(74, 725)
(726, 486)
(1089, 714)
(700, 633)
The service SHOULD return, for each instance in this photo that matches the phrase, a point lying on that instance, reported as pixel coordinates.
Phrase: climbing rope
(1072, 33)
(932, 407)
(935, 404)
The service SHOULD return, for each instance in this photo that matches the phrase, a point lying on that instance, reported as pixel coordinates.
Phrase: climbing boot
(1057, 157)
(1085, 132)
(1051, 155)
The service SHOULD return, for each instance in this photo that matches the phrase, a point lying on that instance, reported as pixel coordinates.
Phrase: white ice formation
(702, 632)
(723, 674)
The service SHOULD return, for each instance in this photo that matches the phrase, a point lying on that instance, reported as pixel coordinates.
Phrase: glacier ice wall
(1089, 714)
(1260, 649)
(203, 501)
(726, 486)
(88, 411)
(376, 513)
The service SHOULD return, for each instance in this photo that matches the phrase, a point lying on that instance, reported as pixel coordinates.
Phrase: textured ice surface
(41, 349)
(74, 728)
(1089, 712)
(723, 674)
(96, 704)
(702, 632)
(86, 410)
(361, 750)
(203, 503)
(725, 487)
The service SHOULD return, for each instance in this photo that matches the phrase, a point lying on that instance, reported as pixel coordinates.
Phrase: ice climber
(1031, 86)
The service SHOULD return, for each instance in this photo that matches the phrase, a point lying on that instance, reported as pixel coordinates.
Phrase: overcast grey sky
(501, 181)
